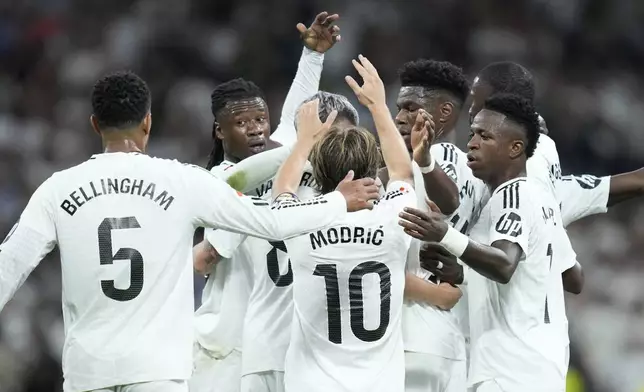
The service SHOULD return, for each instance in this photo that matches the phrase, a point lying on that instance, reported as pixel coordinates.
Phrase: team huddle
(335, 260)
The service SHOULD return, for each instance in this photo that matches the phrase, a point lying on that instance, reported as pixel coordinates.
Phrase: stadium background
(585, 53)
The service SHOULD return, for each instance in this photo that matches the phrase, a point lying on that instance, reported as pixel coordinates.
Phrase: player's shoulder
(515, 193)
(447, 152)
(547, 148)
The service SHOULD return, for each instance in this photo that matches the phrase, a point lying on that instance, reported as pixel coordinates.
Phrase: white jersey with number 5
(124, 224)
(511, 341)
(348, 293)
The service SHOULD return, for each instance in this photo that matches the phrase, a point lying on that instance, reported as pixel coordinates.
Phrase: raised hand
(422, 137)
(322, 34)
(309, 126)
(359, 194)
(372, 91)
(425, 226)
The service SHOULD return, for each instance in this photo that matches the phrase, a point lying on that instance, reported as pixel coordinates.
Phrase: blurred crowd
(584, 53)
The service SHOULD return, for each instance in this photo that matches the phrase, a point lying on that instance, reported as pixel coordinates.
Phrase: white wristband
(455, 242)
(430, 168)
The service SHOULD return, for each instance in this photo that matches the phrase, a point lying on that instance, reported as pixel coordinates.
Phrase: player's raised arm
(30, 240)
(497, 261)
(318, 38)
(440, 186)
(372, 95)
(311, 130)
(256, 169)
(215, 204)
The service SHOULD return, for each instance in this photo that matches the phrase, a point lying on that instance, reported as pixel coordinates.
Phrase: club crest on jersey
(588, 181)
(510, 224)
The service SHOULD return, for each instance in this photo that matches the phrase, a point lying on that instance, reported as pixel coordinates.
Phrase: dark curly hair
(120, 100)
(432, 74)
(509, 77)
(521, 111)
(232, 90)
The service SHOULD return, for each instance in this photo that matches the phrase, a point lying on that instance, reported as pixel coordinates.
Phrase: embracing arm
(573, 279)
(443, 296)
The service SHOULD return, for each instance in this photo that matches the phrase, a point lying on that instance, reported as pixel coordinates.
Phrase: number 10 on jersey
(356, 300)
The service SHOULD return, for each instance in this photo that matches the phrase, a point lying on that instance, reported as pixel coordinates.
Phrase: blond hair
(341, 150)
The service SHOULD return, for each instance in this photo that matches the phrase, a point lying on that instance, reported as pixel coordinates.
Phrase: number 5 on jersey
(107, 257)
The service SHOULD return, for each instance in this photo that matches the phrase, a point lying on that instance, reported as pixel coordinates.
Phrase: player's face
(479, 93)
(488, 146)
(244, 128)
(410, 99)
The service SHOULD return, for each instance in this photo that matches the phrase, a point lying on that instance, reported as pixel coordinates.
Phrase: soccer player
(241, 130)
(509, 251)
(349, 280)
(124, 223)
(436, 89)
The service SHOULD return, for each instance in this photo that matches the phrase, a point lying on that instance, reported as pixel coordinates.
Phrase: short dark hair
(120, 100)
(435, 75)
(330, 102)
(509, 77)
(232, 90)
(519, 110)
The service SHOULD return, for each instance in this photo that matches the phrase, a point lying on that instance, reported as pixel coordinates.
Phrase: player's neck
(122, 144)
(509, 173)
(230, 158)
(446, 136)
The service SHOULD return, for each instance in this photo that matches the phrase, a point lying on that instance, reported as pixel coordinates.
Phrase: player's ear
(516, 148)
(446, 110)
(94, 121)
(217, 132)
(147, 123)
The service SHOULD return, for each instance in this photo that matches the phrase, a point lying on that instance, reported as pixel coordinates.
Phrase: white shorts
(432, 373)
(271, 381)
(212, 374)
(153, 386)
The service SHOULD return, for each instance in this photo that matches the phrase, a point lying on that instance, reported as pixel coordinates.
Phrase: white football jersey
(124, 224)
(544, 165)
(448, 327)
(267, 326)
(348, 293)
(581, 196)
(511, 341)
(220, 318)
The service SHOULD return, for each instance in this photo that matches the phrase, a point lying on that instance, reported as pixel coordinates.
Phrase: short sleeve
(563, 253)
(447, 157)
(510, 215)
(581, 196)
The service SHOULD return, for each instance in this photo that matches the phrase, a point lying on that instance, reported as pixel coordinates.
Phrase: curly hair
(120, 100)
(439, 75)
(232, 90)
(521, 111)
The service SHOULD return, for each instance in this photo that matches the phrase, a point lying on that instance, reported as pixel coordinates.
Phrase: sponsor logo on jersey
(510, 224)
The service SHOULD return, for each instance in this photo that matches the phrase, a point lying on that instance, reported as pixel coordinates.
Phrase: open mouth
(256, 146)
(470, 159)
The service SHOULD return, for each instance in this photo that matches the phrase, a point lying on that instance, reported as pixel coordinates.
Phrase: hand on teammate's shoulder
(322, 34)
(359, 194)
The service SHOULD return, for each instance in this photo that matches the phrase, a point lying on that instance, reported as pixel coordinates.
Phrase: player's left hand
(322, 34)
(422, 137)
(309, 127)
(425, 226)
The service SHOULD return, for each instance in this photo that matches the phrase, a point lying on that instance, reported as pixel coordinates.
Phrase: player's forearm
(442, 190)
(256, 170)
(496, 262)
(443, 296)
(626, 186)
(289, 175)
(392, 145)
(205, 257)
(573, 279)
(305, 84)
